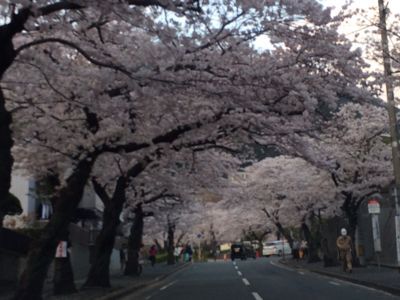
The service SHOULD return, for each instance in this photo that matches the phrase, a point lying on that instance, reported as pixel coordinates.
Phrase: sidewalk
(120, 285)
(383, 278)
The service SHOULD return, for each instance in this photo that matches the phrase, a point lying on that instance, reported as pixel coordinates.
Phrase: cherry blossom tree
(213, 71)
(354, 151)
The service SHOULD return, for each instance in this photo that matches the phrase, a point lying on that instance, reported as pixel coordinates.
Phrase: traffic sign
(374, 206)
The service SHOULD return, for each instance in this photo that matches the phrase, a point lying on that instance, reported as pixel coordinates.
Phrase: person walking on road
(296, 250)
(177, 253)
(188, 253)
(344, 245)
(152, 255)
(122, 258)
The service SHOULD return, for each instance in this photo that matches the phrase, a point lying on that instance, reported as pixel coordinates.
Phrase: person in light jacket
(344, 245)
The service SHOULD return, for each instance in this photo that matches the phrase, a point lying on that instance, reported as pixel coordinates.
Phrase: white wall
(23, 188)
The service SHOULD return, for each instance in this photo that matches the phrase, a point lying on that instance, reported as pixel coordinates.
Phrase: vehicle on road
(238, 251)
(279, 248)
(250, 248)
(249, 252)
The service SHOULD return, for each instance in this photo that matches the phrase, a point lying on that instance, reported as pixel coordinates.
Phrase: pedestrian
(303, 249)
(177, 252)
(344, 245)
(188, 253)
(152, 255)
(295, 250)
(122, 258)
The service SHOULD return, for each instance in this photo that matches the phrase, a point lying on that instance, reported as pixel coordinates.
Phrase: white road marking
(344, 282)
(236, 267)
(281, 267)
(334, 283)
(301, 273)
(240, 273)
(257, 296)
(245, 281)
(167, 286)
(148, 297)
(234, 262)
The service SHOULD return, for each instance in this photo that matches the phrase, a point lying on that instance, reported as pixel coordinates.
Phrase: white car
(276, 248)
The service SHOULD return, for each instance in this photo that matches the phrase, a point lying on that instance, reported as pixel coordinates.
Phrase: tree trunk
(7, 54)
(6, 158)
(63, 282)
(351, 214)
(170, 257)
(312, 244)
(350, 208)
(135, 242)
(99, 273)
(42, 251)
(285, 234)
(159, 247)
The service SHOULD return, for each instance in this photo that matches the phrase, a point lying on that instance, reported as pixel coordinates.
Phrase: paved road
(254, 280)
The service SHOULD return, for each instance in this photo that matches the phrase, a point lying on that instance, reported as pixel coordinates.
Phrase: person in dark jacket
(188, 253)
(152, 255)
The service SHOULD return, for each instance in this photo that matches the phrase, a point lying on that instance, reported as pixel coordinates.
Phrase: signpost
(374, 209)
(397, 227)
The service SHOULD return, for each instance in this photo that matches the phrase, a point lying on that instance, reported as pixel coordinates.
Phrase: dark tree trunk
(285, 233)
(170, 249)
(135, 242)
(63, 282)
(7, 57)
(281, 230)
(350, 208)
(99, 273)
(6, 158)
(312, 244)
(42, 251)
(159, 247)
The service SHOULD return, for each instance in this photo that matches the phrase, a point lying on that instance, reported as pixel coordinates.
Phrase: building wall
(24, 189)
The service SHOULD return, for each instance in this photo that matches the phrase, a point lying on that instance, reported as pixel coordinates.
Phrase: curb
(126, 291)
(381, 287)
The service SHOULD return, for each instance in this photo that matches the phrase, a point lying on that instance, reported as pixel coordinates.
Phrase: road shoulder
(353, 277)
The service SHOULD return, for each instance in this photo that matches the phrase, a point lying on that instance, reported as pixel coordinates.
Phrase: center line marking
(240, 273)
(245, 281)
(334, 283)
(236, 267)
(167, 286)
(301, 273)
(257, 296)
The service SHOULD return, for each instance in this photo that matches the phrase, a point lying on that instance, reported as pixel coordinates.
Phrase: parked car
(276, 248)
(238, 251)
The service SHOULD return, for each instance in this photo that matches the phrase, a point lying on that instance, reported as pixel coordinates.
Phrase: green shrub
(161, 257)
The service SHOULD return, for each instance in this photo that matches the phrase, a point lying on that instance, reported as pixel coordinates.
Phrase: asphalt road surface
(253, 280)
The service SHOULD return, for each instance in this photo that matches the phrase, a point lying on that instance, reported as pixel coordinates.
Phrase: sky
(394, 6)
(351, 28)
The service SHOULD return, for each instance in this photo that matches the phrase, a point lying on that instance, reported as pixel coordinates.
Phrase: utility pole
(391, 106)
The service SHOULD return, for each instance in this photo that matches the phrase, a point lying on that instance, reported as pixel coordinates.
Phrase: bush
(161, 257)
